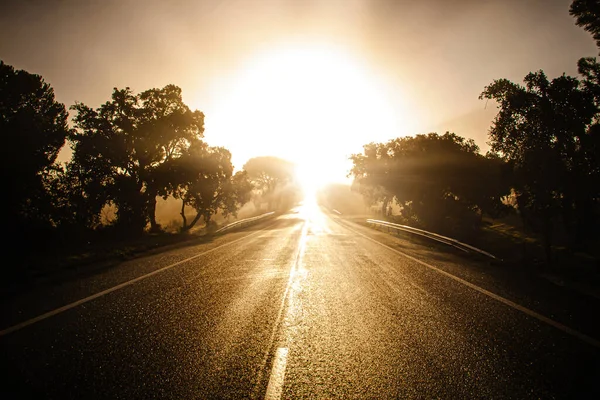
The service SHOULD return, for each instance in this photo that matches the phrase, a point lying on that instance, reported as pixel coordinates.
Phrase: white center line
(275, 386)
(282, 307)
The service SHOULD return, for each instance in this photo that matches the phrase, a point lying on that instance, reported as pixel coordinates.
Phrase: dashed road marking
(282, 309)
(275, 386)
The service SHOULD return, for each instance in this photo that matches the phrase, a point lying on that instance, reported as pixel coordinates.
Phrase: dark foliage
(587, 16)
(547, 131)
(440, 181)
(123, 150)
(204, 180)
(34, 127)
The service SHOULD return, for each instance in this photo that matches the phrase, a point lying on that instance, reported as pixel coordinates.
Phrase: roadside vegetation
(127, 155)
(534, 197)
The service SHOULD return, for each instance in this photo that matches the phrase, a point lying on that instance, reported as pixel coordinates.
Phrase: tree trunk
(191, 225)
(384, 207)
(207, 218)
(182, 213)
(154, 227)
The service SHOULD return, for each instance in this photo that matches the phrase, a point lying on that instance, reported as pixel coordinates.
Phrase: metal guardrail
(243, 222)
(430, 235)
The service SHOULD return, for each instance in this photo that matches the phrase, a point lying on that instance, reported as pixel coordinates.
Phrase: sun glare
(311, 104)
(310, 180)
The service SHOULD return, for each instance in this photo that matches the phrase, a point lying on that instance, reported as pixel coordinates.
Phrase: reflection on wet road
(304, 306)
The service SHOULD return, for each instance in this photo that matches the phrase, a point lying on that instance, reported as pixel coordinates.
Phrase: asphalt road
(304, 306)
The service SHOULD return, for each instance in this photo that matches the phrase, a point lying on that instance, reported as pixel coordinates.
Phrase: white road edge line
(114, 288)
(581, 336)
(275, 386)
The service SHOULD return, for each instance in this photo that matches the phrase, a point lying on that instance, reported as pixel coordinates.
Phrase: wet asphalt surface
(354, 319)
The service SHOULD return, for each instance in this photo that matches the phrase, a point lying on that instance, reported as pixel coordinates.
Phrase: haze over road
(307, 305)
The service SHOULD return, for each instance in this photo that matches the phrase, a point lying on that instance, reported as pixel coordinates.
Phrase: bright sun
(313, 105)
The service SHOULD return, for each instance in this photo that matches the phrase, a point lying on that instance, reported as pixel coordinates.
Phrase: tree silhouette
(78, 199)
(371, 174)
(543, 130)
(34, 127)
(586, 162)
(122, 149)
(274, 181)
(439, 181)
(239, 192)
(205, 182)
(269, 172)
(587, 16)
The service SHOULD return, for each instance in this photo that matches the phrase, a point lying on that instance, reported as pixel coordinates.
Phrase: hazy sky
(303, 79)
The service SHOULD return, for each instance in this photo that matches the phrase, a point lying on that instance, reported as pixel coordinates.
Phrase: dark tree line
(128, 152)
(547, 131)
(544, 158)
(34, 127)
(439, 181)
